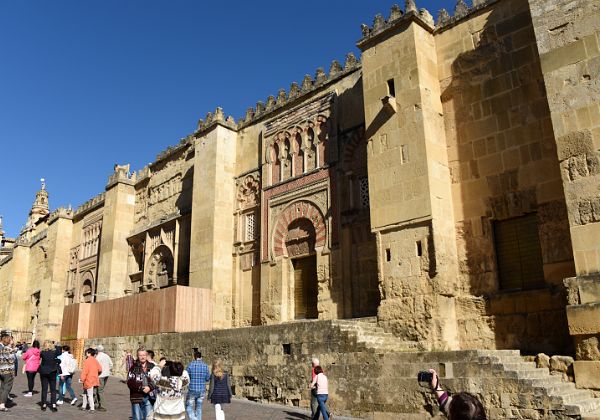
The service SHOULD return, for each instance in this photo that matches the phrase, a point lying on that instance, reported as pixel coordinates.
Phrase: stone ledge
(587, 373)
(584, 319)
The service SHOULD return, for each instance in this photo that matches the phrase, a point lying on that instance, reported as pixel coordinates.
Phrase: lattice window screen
(364, 191)
(250, 227)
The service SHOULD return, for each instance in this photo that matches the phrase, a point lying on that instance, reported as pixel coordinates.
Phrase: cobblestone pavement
(117, 397)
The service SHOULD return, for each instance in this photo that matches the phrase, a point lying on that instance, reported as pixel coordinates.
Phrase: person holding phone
(461, 406)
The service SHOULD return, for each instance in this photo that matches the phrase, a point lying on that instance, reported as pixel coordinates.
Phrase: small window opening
(403, 154)
(388, 254)
(419, 249)
(287, 348)
(391, 88)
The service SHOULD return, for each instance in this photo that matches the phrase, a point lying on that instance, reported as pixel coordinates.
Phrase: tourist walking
(171, 382)
(313, 392)
(90, 378)
(219, 390)
(199, 376)
(140, 385)
(128, 360)
(49, 365)
(321, 384)
(152, 394)
(68, 366)
(107, 365)
(32, 364)
(7, 367)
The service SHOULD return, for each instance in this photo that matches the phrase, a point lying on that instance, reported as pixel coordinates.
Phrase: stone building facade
(446, 182)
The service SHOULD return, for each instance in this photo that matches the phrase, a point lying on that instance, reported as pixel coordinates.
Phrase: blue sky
(85, 84)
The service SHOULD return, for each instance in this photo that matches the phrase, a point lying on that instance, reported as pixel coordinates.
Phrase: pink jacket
(32, 359)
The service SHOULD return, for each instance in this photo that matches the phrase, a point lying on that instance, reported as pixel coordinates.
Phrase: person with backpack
(90, 378)
(68, 366)
(32, 364)
(219, 389)
(171, 382)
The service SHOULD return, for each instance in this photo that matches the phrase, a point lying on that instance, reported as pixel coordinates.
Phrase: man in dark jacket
(140, 385)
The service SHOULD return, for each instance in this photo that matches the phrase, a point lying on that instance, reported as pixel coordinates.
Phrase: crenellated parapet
(121, 174)
(421, 16)
(89, 205)
(30, 241)
(60, 213)
(461, 10)
(215, 118)
(297, 91)
(169, 151)
(396, 18)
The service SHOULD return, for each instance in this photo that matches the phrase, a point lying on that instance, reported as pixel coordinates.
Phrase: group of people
(163, 390)
(167, 390)
(56, 366)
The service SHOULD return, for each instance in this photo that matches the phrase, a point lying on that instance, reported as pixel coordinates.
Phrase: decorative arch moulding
(301, 209)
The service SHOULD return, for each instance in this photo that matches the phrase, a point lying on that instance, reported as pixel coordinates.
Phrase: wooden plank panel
(174, 309)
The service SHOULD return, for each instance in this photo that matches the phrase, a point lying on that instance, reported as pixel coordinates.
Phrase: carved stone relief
(248, 191)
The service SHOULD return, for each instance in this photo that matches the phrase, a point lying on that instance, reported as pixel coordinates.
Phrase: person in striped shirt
(8, 353)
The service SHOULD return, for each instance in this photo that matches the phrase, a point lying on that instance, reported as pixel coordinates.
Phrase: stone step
(582, 407)
(593, 415)
(517, 366)
(559, 388)
(573, 396)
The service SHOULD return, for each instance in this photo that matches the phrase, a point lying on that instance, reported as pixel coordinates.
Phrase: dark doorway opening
(305, 288)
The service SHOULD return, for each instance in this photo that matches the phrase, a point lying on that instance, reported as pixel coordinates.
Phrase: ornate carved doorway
(305, 288)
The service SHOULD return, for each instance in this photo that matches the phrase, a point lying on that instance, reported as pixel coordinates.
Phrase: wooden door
(305, 288)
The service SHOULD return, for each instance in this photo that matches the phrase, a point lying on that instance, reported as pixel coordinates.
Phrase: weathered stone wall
(272, 364)
(583, 315)
(503, 164)
(567, 36)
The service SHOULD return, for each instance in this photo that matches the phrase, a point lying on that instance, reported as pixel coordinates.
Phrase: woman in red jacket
(90, 378)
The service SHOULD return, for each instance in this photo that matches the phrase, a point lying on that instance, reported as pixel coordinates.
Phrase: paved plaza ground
(117, 397)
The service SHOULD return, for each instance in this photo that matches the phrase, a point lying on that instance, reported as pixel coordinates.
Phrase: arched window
(275, 167)
(311, 158)
(87, 291)
(286, 169)
(298, 156)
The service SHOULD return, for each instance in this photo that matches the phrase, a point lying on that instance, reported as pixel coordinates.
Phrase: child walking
(90, 378)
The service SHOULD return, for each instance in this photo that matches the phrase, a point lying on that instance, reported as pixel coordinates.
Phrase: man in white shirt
(107, 365)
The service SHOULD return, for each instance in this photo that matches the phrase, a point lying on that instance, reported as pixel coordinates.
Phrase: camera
(424, 378)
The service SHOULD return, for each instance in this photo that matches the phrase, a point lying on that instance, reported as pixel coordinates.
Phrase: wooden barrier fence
(174, 309)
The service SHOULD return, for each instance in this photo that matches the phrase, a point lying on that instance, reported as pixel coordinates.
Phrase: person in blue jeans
(321, 384)
(199, 376)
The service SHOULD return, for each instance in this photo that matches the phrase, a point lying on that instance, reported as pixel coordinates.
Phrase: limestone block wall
(213, 205)
(583, 315)
(409, 185)
(503, 164)
(567, 38)
(272, 364)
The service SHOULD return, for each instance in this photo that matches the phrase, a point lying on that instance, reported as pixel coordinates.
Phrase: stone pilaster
(52, 287)
(117, 223)
(409, 184)
(213, 207)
